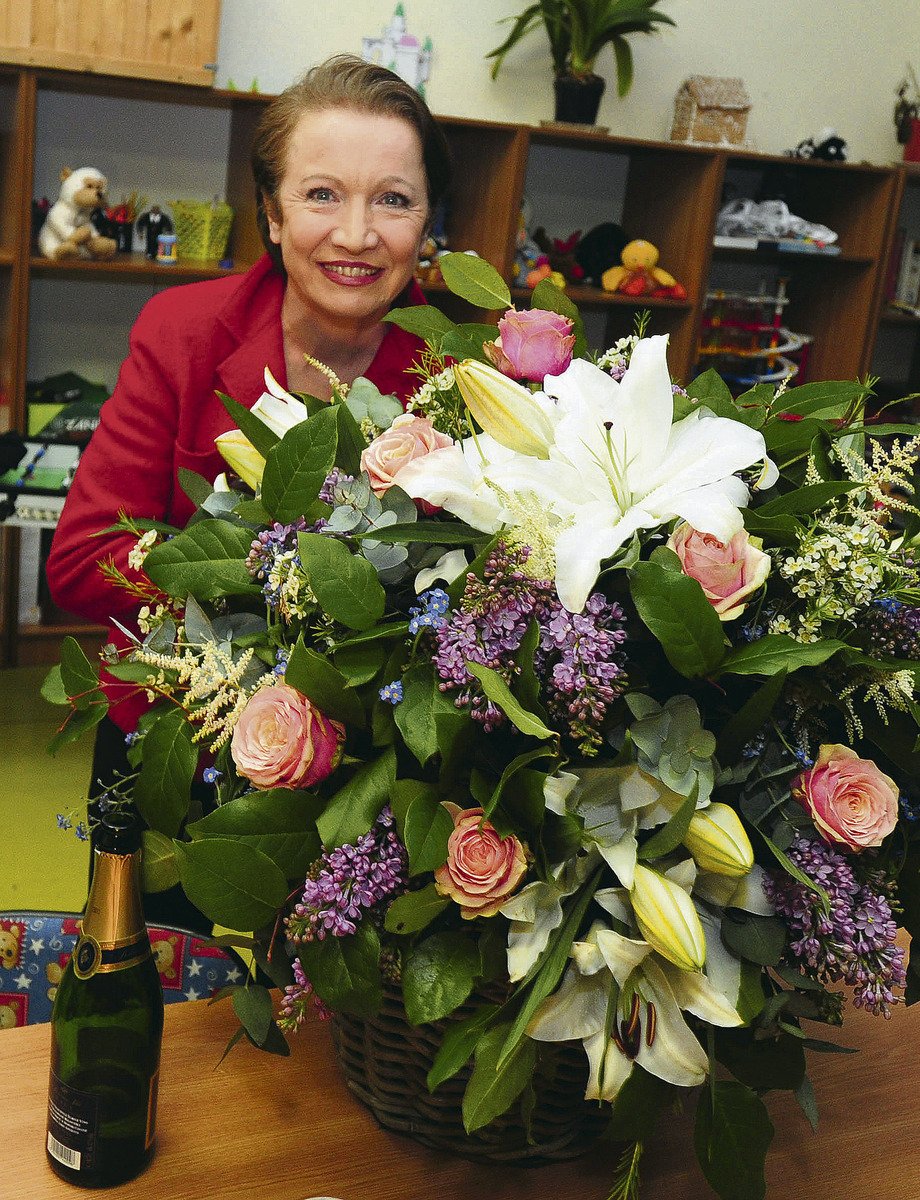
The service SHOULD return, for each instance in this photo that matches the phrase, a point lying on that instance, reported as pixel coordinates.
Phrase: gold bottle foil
(113, 935)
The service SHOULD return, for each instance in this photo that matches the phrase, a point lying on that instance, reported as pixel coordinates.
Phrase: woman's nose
(355, 231)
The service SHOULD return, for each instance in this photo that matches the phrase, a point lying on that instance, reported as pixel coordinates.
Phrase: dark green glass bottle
(106, 1027)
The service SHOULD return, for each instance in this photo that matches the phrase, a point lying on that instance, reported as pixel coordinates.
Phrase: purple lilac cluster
(348, 881)
(298, 996)
(893, 628)
(267, 546)
(335, 488)
(578, 659)
(855, 941)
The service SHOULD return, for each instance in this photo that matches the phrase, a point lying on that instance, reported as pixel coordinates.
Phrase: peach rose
(282, 740)
(407, 438)
(849, 799)
(727, 572)
(482, 869)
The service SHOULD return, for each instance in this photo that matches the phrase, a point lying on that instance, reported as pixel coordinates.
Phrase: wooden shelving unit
(667, 193)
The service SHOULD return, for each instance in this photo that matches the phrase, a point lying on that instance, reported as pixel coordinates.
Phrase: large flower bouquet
(567, 682)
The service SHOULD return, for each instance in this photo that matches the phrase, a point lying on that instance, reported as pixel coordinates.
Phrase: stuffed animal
(640, 274)
(67, 231)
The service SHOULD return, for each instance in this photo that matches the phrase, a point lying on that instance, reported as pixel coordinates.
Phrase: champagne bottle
(107, 1026)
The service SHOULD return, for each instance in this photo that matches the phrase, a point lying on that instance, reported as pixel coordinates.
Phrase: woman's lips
(350, 274)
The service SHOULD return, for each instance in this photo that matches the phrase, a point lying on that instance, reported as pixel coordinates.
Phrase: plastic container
(202, 228)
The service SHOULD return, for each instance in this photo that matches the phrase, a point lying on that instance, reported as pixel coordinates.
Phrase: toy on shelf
(640, 275)
(711, 111)
(827, 146)
(745, 341)
(600, 249)
(150, 225)
(68, 231)
(560, 254)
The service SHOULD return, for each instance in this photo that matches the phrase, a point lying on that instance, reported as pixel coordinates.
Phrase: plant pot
(577, 100)
(385, 1062)
(912, 145)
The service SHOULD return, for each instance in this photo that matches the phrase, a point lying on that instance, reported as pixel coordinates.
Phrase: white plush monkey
(67, 232)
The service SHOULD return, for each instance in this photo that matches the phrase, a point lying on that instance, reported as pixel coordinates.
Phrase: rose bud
(532, 345)
(729, 573)
(281, 740)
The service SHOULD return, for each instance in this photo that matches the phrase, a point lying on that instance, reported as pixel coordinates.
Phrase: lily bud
(505, 410)
(718, 842)
(241, 456)
(668, 920)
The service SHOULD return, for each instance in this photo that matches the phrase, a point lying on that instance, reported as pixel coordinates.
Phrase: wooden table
(265, 1128)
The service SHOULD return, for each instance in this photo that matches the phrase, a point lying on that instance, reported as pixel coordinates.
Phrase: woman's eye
(395, 200)
(322, 194)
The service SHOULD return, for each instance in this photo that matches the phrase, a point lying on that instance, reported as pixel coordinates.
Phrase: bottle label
(73, 1125)
(91, 957)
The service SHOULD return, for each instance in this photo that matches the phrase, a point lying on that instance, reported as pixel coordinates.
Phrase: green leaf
(749, 719)
(677, 612)
(467, 341)
(78, 676)
(423, 822)
(458, 1044)
(827, 399)
(361, 663)
(52, 689)
(354, 808)
(351, 441)
(297, 467)
(195, 486)
(758, 939)
(438, 974)
(796, 872)
(253, 1007)
(345, 971)
(499, 693)
(670, 835)
(158, 862)
(206, 561)
(415, 910)
(732, 1136)
(233, 884)
(424, 320)
(314, 676)
(553, 299)
(777, 652)
(639, 1103)
(345, 585)
(808, 1102)
(170, 758)
(417, 712)
(76, 725)
(763, 1063)
(790, 439)
(278, 823)
(513, 768)
(438, 533)
(262, 438)
(806, 500)
(497, 1079)
(475, 280)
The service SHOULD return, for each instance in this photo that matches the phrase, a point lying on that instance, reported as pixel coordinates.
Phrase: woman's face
(351, 213)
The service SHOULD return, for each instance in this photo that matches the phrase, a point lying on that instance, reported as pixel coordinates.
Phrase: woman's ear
(273, 216)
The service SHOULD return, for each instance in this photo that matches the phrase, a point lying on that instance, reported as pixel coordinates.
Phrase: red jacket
(187, 342)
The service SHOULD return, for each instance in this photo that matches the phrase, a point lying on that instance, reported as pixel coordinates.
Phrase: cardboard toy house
(711, 110)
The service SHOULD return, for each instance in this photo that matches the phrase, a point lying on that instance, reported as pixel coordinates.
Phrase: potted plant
(578, 30)
(907, 116)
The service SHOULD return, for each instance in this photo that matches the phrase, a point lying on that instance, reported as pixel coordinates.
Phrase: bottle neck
(114, 917)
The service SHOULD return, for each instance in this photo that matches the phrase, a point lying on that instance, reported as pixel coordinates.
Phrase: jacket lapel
(252, 321)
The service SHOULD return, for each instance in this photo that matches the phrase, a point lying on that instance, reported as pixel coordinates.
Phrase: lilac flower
(297, 996)
(335, 488)
(893, 628)
(348, 881)
(577, 659)
(855, 941)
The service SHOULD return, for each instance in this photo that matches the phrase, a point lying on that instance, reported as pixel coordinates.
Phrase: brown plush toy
(67, 231)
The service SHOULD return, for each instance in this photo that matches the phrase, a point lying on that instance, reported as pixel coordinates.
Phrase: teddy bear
(10, 937)
(640, 274)
(8, 1017)
(67, 231)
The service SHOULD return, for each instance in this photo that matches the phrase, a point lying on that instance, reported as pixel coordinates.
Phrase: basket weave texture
(385, 1061)
(202, 228)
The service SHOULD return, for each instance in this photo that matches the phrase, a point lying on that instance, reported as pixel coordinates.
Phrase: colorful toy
(640, 275)
(68, 231)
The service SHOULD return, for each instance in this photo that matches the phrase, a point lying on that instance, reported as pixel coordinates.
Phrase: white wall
(806, 65)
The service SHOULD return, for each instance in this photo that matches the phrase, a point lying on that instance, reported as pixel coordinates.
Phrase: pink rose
(409, 437)
(281, 740)
(849, 799)
(532, 345)
(727, 572)
(482, 869)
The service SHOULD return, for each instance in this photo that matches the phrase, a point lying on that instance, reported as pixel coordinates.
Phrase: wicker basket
(385, 1061)
(202, 228)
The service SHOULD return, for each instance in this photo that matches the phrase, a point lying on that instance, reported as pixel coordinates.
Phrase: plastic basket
(202, 228)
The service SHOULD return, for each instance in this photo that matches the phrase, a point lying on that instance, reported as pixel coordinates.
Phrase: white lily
(277, 408)
(536, 910)
(615, 465)
(450, 566)
(647, 1028)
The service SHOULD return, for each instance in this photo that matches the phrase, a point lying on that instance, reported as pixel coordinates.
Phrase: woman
(349, 166)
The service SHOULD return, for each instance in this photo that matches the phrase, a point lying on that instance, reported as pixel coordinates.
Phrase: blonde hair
(343, 81)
